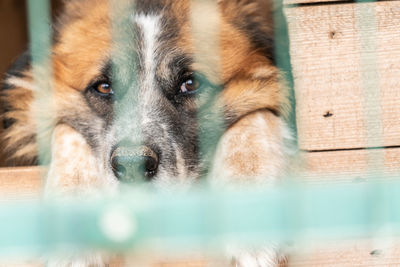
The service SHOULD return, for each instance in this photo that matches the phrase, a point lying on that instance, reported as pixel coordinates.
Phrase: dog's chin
(162, 181)
(170, 183)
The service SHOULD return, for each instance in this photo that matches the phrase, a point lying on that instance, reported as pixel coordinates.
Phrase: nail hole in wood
(375, 252)
(332, 34)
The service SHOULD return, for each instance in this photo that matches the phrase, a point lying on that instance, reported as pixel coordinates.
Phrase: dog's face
(147, 82)
(139, 94)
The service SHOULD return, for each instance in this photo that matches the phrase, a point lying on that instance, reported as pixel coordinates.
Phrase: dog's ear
(252, 79)
(16, 70)
(255, 18)
(18, 138)
(21, 64)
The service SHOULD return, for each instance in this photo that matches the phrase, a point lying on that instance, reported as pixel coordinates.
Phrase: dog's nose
(132, 162)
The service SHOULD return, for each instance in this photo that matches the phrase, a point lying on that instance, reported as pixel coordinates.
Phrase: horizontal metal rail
(200, 218)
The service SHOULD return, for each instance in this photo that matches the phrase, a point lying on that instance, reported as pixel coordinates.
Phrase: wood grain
(294, 2)
(20, 183)
(329, 55)
(368, 252)
(350, 166)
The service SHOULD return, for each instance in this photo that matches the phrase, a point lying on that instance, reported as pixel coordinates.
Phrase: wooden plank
(325, 54)
(337, 254)
(294, 2)
(20, 183)
(349, 166)
(26, 264)
(315, 167)
(347, 253)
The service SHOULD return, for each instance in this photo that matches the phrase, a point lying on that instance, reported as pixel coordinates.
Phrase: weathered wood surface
(295, 2)
(20, 183)
(348, 253)
(335, 58)
(350, 165)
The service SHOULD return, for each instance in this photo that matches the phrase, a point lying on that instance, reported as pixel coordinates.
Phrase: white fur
(20, 83)
(74, 168)
(180, 164)
(150, 27)
(76, 172)
(274, 157)
(267, 256)
(91, 259)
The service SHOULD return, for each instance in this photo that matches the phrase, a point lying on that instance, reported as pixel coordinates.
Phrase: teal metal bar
(205, 30)
(199, 219)
(366, 20)
(40, 35)
(39, 30)
(282, 55)
(366, 23)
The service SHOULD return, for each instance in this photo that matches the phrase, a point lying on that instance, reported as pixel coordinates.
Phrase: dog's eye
(190, 85)
(104, 88)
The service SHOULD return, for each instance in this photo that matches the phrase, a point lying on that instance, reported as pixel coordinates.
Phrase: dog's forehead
(86, 34)
(174, 28)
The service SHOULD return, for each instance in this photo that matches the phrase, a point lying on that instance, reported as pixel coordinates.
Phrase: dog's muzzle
(131, 163)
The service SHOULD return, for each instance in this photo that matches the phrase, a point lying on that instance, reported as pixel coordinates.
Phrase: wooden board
(294, 2)
(333, 57)
(20, 183)
(348, 253)
(350, 165)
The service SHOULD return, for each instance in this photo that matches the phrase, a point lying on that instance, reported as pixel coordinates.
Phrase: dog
(164, 91)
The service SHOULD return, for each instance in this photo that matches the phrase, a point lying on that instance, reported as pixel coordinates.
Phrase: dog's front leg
(75, 172)
(254, 151)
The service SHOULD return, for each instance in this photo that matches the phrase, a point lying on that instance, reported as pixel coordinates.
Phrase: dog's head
(148, 83)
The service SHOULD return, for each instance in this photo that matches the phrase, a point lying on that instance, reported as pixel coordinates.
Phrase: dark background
(13, 32)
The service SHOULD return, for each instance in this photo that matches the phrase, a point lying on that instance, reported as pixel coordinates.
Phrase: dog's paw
(265, 257)
(74, 169)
